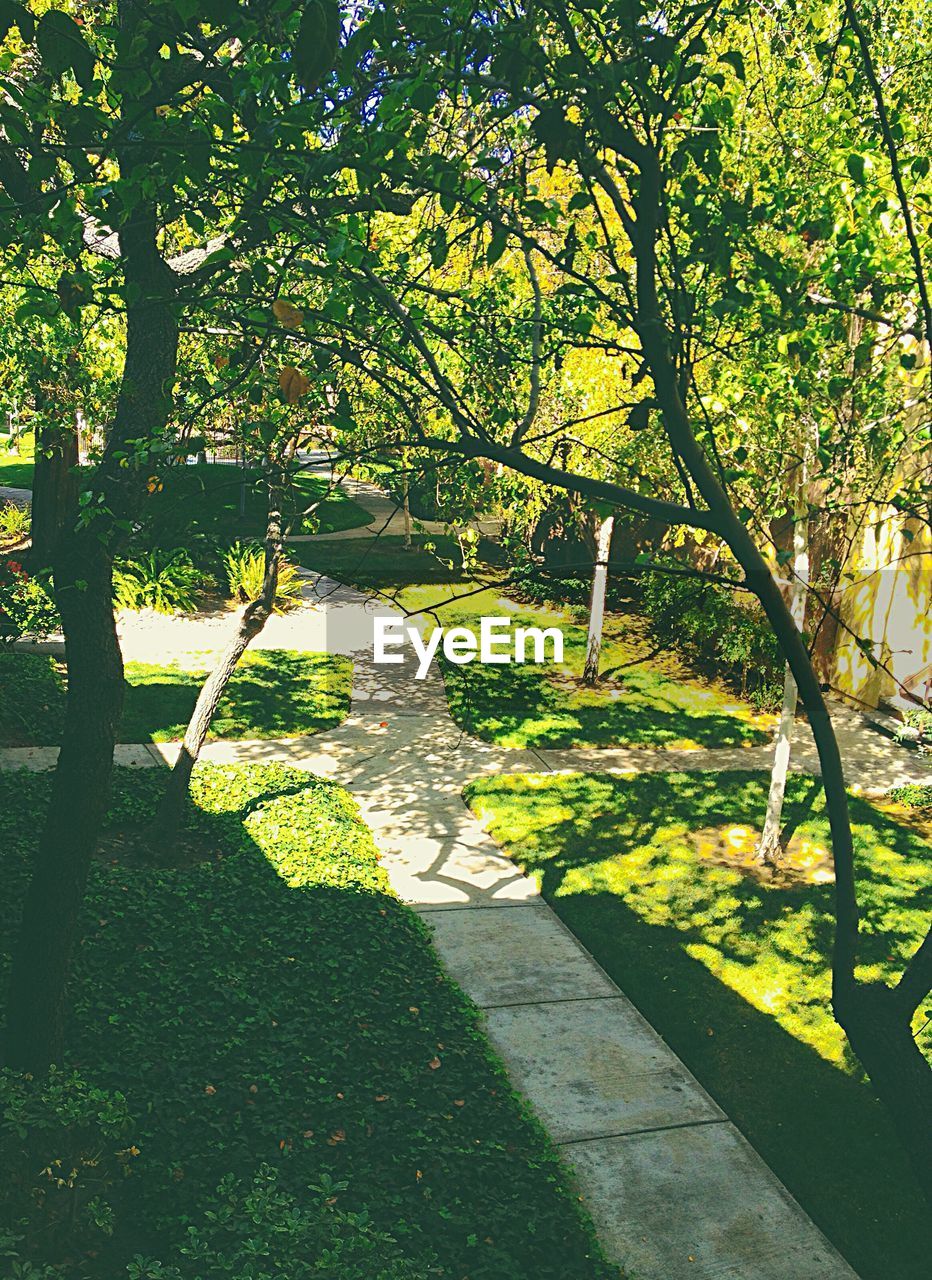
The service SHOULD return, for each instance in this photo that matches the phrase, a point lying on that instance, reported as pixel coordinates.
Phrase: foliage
(64, 1148)
(274, 693)
(244, 564)
(734, 972)
(273, 1005)
(32, 709)
(919, 718)
(14, 524)
(705, 621)
(914, 795)
(166, 581)
(384, 562)
(27, 606)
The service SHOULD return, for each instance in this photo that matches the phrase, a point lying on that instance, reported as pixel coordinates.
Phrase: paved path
(675, 1190)
(21, 497)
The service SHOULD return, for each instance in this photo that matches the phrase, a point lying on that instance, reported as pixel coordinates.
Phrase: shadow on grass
(521, 706)
(275, 1004)
(735, 974)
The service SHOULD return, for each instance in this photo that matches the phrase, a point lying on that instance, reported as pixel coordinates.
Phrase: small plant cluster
(166, 581)
(26, 603)
(703, 620)
(64, 1146)
(15, 523)
(244, 565)
(913, 795)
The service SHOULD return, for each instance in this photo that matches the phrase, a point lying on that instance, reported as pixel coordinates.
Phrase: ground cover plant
(269, 1049)
(652, 874)
(645, 696)
(274, 693)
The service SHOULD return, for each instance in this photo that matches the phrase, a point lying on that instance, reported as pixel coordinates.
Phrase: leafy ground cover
(734, 971)
(295, 1087)
(274, 693)
(646, 697)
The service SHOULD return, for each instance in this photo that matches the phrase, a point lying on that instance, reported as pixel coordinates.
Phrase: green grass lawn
(16, 471)
(309, 1095)
(206, 499)
(734, 972)
(644, 698)
(385, 564)
(274, 693)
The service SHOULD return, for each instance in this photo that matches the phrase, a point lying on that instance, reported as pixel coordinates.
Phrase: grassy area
(734, 971)
(274, 693)
(16, 471)
(308, 1095)
(385, 563)
(206, 499)
(644, 698)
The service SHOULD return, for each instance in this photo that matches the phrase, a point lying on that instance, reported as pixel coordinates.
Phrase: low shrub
(166, 581)
(920, 719)
(244, 564)
(27, 606)
(703, 620)
(913, 795)
(63, 1145)
(15, 523)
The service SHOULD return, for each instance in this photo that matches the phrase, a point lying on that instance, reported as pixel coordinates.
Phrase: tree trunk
(406, 508)
(54, 492)
(597, 601)
(770, 846)
(82, 571)
(251, 622)
(900, 1076)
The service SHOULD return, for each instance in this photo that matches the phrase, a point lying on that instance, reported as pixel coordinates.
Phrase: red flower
(14, 566)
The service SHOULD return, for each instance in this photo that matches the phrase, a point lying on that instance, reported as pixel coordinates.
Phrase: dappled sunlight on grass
(644, 698)
(733, 970)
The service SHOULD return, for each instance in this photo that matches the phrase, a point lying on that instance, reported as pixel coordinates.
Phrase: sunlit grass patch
(734, 969)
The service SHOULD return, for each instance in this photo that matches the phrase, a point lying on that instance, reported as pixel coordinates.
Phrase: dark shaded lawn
(734, 974)
(207, 498)
(274, 693)
(385, 564)
(277, 1018)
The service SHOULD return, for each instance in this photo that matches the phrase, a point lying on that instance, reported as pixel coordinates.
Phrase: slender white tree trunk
(770, 846)
(597, 601)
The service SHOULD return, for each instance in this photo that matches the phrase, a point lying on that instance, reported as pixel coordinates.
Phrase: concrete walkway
(675, 1190)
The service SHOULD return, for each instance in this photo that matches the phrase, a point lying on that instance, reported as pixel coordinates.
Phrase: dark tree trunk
(54, 492)
(82, 569)
(251, 622)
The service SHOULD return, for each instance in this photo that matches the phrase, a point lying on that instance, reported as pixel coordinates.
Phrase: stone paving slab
(594, 1068)
(698, 1203)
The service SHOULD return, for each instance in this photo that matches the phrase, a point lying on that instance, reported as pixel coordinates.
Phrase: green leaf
(857, 165)
(497, 245)
(318, 39)
(735, 59)
(63, 48)
(16, 15)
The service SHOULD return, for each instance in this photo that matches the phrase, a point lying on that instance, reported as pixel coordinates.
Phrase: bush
(15, 523)
(913, 795)
(63, 1145)
(166, 581)
(26, 603)
(244, 564)
(703, 620)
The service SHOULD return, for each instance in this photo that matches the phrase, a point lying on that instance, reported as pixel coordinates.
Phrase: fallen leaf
(287, 314)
